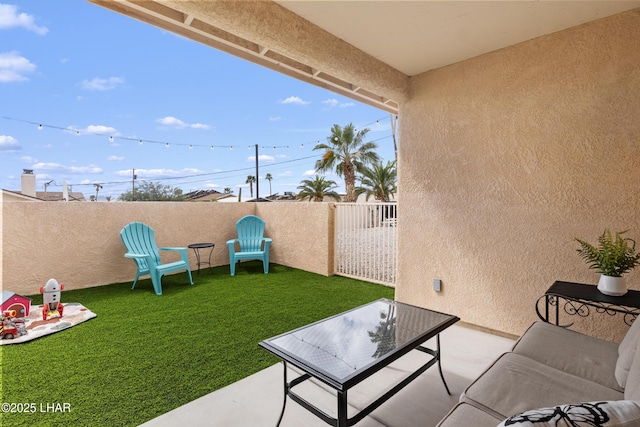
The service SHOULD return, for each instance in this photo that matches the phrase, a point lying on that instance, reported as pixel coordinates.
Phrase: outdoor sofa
(556, 377)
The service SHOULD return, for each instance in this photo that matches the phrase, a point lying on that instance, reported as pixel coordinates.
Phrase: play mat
(74, 314)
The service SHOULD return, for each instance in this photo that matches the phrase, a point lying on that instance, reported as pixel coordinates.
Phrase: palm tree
(346, 153)
(317, 189)
(98, 188)
(379, 181)
(227, 190)
(250, 180)
(269, 177)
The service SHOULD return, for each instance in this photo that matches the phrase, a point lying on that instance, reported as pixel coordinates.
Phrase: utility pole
(257, 176)
(133, 186)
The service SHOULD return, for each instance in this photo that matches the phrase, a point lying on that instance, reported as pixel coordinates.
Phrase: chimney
(28, 183)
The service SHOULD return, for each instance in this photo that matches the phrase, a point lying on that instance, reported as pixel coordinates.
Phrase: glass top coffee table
(343, 350)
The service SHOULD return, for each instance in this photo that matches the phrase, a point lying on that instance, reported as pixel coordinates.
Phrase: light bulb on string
(190, 147)
(39, 127)
(140, 142)
(212, 148)
(110, 139)
(77, 133)
(166, 145)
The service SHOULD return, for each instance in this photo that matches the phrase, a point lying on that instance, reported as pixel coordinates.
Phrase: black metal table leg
(284, 400)
(343, 421)
(440, 365)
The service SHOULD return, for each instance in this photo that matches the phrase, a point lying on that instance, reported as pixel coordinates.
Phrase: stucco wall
(505, 158)
(79, 243)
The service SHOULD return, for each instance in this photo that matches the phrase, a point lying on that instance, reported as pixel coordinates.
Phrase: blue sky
(87, 74)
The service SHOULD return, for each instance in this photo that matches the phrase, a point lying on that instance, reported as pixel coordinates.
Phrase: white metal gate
(365, 241)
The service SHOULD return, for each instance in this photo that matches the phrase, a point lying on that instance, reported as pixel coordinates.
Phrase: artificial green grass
(144, 355)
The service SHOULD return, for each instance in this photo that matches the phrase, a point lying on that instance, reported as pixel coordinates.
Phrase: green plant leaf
(613, 256)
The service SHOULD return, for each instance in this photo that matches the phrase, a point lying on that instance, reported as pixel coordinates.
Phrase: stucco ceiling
(417, 36)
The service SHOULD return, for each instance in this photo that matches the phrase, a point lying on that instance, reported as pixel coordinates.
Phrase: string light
(112, 138)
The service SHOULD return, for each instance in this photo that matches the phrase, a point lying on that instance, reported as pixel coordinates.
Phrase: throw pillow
(588, 414)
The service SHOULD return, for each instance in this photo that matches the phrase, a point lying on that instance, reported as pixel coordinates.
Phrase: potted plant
(612, 257)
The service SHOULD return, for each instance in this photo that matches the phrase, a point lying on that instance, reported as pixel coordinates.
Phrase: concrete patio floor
(256, 401)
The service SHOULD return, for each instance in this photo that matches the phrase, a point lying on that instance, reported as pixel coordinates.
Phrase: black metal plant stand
(577, 299)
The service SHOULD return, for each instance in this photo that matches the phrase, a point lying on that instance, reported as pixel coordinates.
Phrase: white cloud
(332, 102)
(199, 126)
(9, 143)
(10, 18)
(159, 173)
(102, 84)
(284, 174)
(310, 172)
(176, 123)
(57, 167)
(102, 130)
(275, 119)
(115, 158)
(14, 66)
(172, 121)
(28, 159)
(261, 158)
(295, 100)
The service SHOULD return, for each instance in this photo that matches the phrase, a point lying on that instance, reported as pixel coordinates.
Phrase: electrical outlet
(437, 285)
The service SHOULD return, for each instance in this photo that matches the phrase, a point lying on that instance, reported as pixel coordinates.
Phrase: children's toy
(51, 298)
(11, 327)
(12, 301)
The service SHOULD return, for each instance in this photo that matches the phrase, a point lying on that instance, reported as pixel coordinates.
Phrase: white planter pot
(614, 286)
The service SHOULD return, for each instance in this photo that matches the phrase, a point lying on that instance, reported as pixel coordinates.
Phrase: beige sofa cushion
(572, 352)
(515, 383)
(464, 414)
(632, 389)
(626, 352)
(619, 413)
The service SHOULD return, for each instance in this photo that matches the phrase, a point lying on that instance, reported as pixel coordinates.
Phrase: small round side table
(196, 248)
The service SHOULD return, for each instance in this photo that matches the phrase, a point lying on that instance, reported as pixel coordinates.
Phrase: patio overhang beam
(218, 25)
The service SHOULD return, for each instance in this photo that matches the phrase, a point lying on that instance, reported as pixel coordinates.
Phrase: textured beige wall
(79, 243)
(302, 234)
(505, 158)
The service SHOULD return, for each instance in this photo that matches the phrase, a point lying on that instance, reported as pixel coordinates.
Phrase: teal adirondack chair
(251, 243)
(140, 241)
